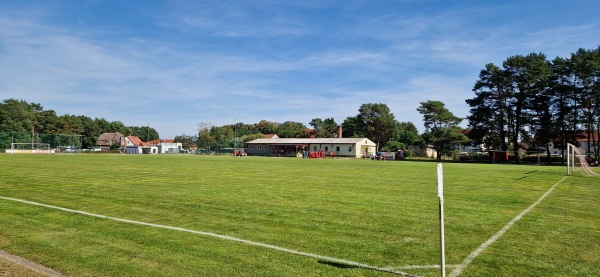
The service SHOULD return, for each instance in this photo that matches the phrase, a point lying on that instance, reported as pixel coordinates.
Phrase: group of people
(239, 153)
(317, 154)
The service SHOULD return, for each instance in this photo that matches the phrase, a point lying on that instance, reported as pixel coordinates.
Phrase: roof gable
(110, 136)
(136, 141)
(108, 139)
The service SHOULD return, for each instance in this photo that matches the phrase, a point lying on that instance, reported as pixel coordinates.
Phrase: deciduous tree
(377, 122)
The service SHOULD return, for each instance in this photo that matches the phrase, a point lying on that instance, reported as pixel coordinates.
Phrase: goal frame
(574, 155)
(32, 148)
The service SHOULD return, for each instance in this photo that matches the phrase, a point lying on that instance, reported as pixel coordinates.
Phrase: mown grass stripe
(259, 244)
(458, 270)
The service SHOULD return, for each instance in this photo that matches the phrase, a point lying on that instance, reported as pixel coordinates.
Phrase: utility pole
(235, 135)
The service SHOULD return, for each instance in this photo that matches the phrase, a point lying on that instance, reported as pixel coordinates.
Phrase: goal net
(29, 148)
(576, 159)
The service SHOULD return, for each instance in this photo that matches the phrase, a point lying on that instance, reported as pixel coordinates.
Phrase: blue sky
(175, 63)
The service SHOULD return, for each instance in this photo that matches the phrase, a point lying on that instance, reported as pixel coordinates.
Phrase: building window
(326, 148)
(350, 149)
(337, 149)
(250, 147)
(259, 147)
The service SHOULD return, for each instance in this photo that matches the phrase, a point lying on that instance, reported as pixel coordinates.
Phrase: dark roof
(106, 139)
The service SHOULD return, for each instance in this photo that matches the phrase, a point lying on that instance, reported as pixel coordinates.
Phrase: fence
(56, 141)
(218, 151)
(529, 157)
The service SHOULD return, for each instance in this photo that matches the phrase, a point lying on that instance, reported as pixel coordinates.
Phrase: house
(581, 142)
(419, 151)
(165, 146)
(292, 147)
(134, 145)
(106, 140)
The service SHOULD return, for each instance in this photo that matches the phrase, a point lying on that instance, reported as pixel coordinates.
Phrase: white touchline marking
(423, 266)
(269, 246)
(457, 271)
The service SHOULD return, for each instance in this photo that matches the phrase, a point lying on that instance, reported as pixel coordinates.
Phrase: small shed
(498, 156)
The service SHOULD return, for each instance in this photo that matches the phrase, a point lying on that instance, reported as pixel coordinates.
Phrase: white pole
(235, 135)
(440, 192)
(568, 159)
(573, 155)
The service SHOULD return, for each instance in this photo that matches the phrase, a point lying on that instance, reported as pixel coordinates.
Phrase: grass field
(375, 213)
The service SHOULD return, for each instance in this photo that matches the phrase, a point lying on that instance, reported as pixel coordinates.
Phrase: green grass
(383, 214)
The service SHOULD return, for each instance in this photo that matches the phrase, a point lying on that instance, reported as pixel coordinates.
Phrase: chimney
(339, 131)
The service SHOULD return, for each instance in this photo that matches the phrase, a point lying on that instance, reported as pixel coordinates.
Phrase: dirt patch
(15, 266)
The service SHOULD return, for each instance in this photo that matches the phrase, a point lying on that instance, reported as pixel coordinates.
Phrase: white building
(166, 146)
(292, 147)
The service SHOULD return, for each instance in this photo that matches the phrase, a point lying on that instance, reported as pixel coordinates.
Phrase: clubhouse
(294, 147)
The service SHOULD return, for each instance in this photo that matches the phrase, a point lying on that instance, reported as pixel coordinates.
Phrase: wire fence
(56, 141)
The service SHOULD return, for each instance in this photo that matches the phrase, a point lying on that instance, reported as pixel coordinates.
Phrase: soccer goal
(29, 148)
(577, 159)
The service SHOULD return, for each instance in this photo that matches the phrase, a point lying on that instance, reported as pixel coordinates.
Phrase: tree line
(528, 102)
(533, 101)
(21, 119)
(374, 121)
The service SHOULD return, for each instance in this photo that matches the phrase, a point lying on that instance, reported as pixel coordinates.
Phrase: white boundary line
(424, 266)
(259, 244)
(457, 271)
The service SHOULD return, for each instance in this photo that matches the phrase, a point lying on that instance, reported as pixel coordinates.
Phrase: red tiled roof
(153, 142)
(159, 141)
(584, 136)
(135, 140)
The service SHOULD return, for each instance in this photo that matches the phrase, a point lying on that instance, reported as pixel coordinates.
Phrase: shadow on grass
(338, 265)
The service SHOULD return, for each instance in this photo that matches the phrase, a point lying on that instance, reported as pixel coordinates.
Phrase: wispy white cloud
(238, 19)
(219, 60)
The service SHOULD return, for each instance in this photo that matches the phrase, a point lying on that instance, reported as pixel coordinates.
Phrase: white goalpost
(577, 159)
(29, 148)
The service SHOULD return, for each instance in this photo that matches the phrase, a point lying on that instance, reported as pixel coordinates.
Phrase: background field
(383, 214)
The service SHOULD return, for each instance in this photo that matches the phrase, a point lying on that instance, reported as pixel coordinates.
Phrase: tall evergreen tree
(526, 75)
(489, 118)
(543, 117)
(326, 128)
(441, 127)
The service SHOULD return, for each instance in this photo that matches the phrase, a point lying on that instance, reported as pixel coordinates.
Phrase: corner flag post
(440, 192)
